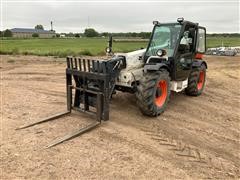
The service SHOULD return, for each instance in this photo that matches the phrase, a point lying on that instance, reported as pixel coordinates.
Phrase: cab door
(185, 52)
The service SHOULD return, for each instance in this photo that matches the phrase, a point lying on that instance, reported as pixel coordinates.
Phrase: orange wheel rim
(200, 80)
(161, 93)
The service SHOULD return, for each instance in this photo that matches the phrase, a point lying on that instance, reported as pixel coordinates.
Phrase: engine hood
(134, 59)
(133, 53)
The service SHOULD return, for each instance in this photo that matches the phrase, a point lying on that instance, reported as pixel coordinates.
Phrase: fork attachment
(89, 85)
(94, 83)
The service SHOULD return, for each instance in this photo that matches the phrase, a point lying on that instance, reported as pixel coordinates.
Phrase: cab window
(201, 40)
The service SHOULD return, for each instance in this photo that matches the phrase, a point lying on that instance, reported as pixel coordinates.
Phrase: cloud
(119, 16)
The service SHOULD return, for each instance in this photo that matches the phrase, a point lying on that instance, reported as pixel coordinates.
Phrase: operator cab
(176, 45)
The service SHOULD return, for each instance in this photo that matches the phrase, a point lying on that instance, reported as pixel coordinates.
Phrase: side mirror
(108, 49)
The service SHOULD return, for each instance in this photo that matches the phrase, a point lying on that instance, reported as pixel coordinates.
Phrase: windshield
(164, 37)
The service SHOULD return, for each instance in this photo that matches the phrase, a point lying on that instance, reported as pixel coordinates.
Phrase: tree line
(90, 32)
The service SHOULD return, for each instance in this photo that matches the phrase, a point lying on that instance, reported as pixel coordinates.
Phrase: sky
(118, 16)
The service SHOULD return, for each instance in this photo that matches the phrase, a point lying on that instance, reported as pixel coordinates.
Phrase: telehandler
(172, 61)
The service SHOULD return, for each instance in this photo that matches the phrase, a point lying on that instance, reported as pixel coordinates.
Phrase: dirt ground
(196, 137)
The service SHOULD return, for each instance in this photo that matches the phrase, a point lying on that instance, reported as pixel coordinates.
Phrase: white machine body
(134, 71)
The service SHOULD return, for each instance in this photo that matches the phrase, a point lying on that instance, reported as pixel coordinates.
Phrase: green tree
(133, 34)
(77, 35)
(7, 33)
(39, 26)
(1, 33)
(145, 35)
(70, 34)
(90, 32)
(35, 35)
(105, 34)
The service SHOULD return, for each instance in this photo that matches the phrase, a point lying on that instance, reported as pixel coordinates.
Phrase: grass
(64, 47)
(227, 41)
(83, 46)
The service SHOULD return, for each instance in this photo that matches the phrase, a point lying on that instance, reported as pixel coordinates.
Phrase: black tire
(194, 88)
(149, 90)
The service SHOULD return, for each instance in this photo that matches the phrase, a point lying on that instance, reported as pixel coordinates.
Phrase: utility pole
(51, 26)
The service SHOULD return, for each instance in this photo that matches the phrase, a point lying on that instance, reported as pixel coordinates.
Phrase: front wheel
(153, 92)
(196, 81)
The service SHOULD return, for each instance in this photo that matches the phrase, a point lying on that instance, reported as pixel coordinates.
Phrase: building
(27, 33)
(62, 35)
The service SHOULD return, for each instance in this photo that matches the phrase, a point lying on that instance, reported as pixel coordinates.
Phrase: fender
(155, 67)
(198, 63)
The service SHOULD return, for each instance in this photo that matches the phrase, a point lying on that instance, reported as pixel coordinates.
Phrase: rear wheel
(153, 92)
(196, 81)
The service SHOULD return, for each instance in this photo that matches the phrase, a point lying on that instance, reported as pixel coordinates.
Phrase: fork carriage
(94, 82)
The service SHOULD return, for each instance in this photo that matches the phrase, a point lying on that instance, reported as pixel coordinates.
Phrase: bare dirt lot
(196, 137)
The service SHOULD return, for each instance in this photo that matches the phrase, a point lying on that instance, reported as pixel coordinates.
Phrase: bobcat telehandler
(172, 61)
